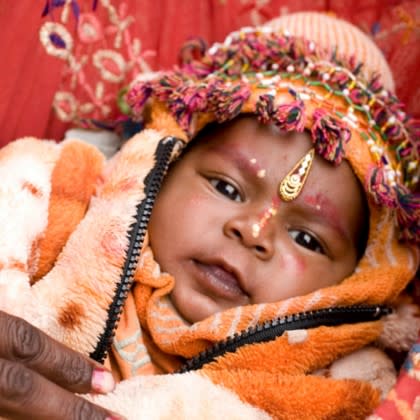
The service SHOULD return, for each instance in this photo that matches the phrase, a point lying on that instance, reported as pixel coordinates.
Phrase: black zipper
(270, 330)
(138, 229)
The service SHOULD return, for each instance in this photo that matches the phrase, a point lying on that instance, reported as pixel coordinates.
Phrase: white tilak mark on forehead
(261, 173)
(258, 311)
(235, 321)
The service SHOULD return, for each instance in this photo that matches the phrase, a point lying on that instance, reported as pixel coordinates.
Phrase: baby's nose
(254, 233)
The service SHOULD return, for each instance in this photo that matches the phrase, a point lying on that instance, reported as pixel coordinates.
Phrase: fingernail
(102, 381)
(115, 417)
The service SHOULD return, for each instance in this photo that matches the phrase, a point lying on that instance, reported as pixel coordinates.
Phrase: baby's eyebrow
(243, 162)
(326, 212)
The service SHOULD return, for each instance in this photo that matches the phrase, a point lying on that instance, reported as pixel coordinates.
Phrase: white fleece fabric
(178, 396)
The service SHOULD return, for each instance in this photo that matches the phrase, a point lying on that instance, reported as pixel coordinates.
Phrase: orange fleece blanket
(62, 272)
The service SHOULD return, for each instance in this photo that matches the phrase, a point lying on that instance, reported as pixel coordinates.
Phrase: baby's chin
(193, 306)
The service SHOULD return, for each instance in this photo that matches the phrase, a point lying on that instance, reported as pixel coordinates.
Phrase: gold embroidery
(98, 57)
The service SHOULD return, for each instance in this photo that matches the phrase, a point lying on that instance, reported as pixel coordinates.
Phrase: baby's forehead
(254, 146)
(246, 141)
(247, 133)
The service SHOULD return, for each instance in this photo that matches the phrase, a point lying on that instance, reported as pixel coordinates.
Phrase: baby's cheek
(294, 263)
(292, 277)
(196, 200)
(193, 211)
(199, 203)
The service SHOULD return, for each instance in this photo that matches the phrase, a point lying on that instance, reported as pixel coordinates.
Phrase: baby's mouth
(219, 279)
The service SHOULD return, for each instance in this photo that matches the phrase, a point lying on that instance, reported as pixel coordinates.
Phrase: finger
(26, 394)
(27, 345)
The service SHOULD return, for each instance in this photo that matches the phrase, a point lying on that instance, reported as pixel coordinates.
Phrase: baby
(276, 241)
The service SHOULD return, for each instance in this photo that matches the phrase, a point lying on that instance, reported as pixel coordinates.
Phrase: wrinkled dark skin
(39, 376)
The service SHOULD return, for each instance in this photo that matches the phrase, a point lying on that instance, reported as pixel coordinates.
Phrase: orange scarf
(275, 376)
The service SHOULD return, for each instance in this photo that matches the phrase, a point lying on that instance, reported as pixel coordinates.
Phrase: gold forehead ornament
(292, 184)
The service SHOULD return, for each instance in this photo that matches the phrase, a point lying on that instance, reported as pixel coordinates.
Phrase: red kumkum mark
(242, 161)
(320, 203)
(327, 210)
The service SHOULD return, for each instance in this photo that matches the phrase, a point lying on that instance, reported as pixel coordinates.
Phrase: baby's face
(220, 228)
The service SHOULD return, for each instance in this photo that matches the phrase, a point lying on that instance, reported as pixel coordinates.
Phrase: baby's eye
(306, 240)
(226, 189)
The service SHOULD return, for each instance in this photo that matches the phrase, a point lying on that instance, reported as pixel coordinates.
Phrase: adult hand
(39, 376)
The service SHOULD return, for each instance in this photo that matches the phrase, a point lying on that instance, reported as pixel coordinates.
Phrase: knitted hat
(295, 83)
(329, 32)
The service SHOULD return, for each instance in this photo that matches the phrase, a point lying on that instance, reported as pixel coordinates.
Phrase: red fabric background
(29, 77)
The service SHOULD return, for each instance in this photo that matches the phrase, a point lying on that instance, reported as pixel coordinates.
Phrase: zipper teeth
(136, 236)
(270, 330)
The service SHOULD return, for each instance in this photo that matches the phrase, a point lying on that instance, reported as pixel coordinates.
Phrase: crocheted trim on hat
(222, 79)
